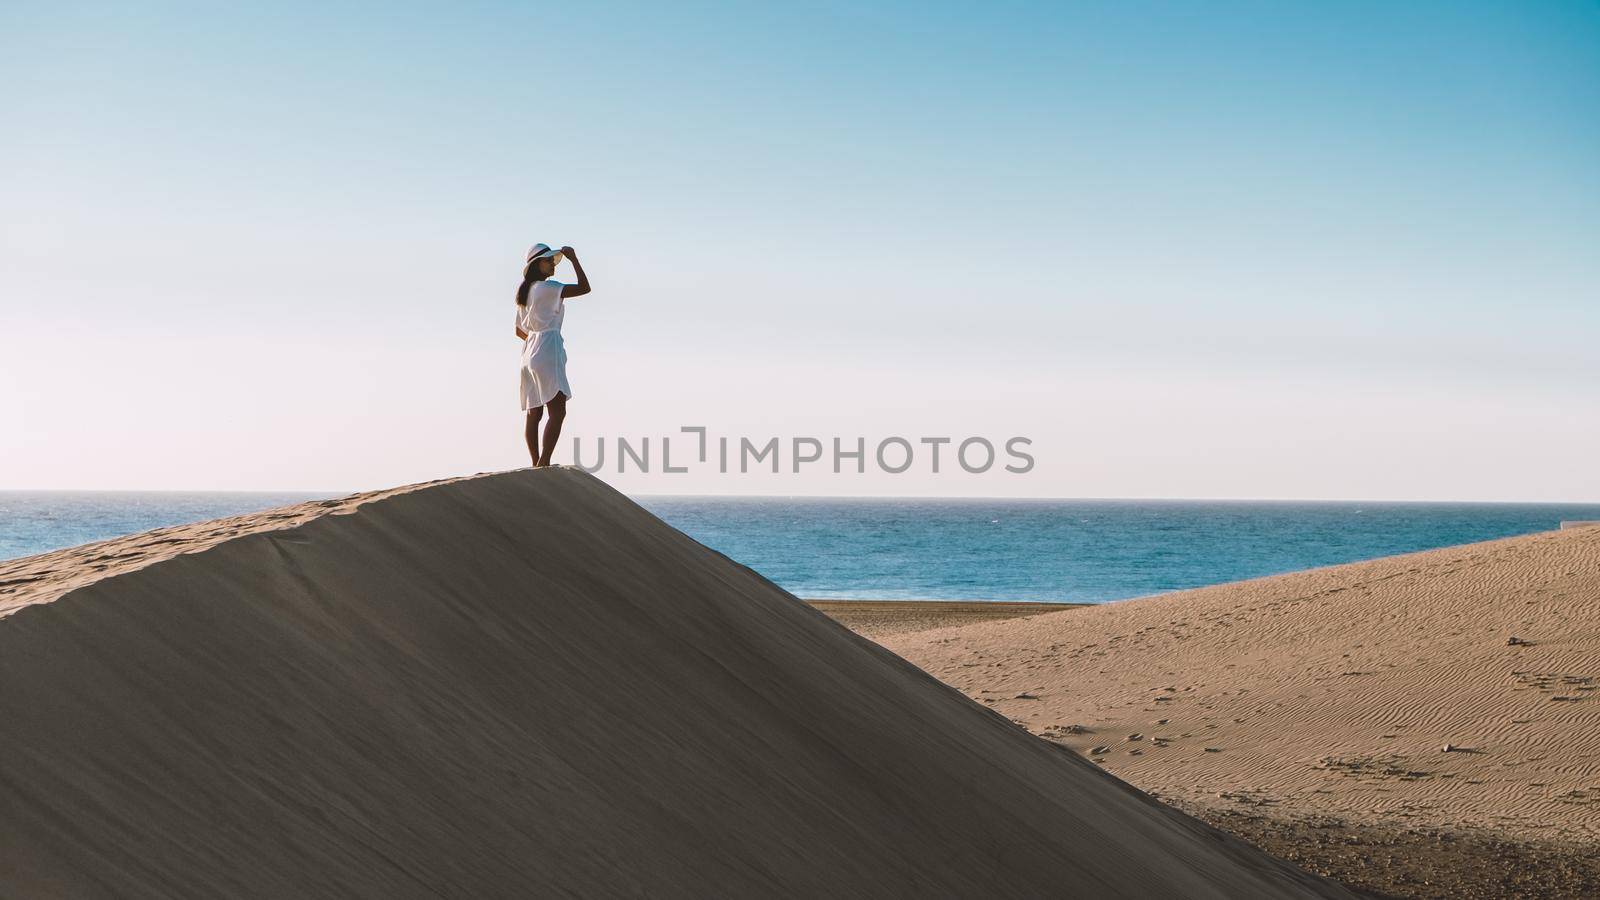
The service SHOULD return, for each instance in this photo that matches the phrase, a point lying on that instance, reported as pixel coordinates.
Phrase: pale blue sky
(1247, 249)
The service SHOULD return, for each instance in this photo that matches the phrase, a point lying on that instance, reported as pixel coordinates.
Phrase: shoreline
(874, 619)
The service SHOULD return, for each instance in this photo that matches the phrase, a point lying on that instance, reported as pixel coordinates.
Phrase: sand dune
(519, 685)
(1330, 692)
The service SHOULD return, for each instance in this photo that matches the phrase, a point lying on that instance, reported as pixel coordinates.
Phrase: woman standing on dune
(541, 305)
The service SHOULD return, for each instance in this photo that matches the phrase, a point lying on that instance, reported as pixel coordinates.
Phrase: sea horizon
(928, 549)
(953, 498)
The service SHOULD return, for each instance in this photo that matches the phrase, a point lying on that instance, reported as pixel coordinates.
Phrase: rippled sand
(1455, 690)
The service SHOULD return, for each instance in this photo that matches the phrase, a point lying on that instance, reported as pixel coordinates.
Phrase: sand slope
(1331, 691)
(515, 685)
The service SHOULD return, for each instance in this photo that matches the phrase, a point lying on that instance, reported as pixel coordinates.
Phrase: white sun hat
(539, 251)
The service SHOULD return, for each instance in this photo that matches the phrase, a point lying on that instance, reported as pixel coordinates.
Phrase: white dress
(544, 356)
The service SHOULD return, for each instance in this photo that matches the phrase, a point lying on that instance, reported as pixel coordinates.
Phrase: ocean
(921, 549)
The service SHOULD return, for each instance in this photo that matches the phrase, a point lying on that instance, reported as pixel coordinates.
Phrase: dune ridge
(515, 685)
(46, 576)
(1456, 688)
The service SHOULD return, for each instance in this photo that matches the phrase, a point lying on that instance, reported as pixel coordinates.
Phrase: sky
(1243, 250)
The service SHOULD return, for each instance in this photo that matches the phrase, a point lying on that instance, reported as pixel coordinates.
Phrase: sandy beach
(1426, 724)
(394, 695)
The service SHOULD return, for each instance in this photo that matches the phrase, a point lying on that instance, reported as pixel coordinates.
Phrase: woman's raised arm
(582, 287)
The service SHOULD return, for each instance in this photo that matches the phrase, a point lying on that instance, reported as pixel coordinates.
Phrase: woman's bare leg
(530, 432)
(552, 429)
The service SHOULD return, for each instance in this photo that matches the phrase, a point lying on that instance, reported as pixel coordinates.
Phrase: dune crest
(516, 685)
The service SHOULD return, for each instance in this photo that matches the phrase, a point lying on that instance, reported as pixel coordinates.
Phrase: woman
(541, 305)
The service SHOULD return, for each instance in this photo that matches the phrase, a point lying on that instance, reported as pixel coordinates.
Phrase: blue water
(1053, 550)
(1070, 550)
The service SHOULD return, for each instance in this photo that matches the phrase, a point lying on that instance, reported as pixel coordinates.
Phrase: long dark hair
(527, 281)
